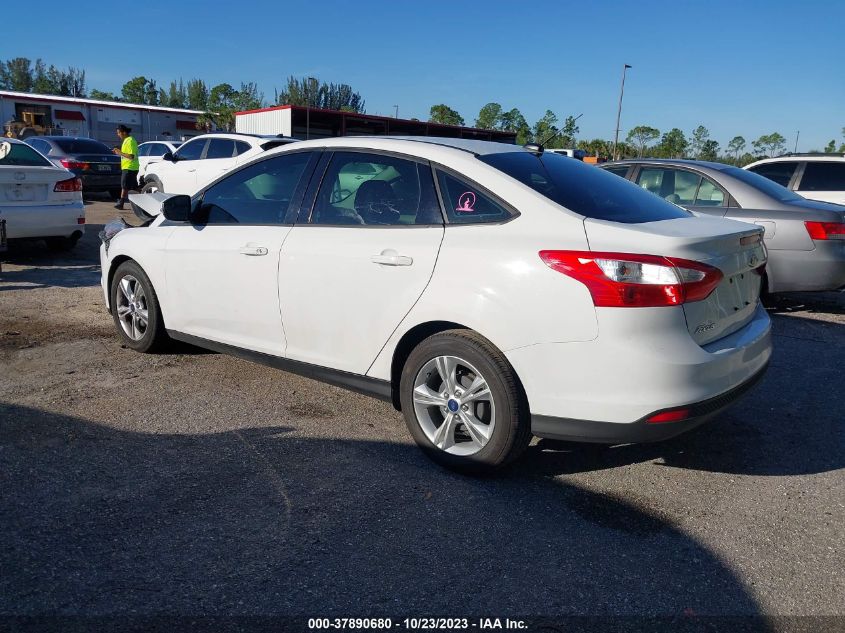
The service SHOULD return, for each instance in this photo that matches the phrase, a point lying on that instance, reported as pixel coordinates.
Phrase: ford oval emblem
(19, 175)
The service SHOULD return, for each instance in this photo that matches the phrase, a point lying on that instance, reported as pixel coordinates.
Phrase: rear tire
(135, 309)
(476, 418)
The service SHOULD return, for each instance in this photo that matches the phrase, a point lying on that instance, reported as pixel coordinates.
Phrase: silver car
(805, 238)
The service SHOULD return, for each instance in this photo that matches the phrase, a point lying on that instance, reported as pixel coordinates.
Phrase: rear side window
(21, 155)
(81, 146)
(467, 204)
(780, 172)
(258, 194)
(241, 147)
(584, 188)
(674, 185)
(220, 148)
(820, 176)
(619, 171)
(709, 195)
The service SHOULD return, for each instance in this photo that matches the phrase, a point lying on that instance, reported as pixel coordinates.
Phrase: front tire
(463, 403)
(135, 309)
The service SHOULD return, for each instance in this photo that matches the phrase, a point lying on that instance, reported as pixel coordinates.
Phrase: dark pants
(129, 179)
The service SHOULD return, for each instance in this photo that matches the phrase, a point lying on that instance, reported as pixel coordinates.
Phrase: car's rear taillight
(826, 230)
(69, 163)
(620, 280)
(71, 184)
(671, 415)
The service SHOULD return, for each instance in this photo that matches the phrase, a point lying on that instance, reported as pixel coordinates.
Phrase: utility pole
(396, 112)
(308, 107)
(797, 134)
(619, 111)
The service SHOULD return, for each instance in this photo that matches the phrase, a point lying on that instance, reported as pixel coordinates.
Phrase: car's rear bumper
(100, 182)
(822, 268)
(643, 361)
(641, 430)
(55, 220)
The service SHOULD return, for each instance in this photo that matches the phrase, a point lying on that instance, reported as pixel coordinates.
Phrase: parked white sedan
(39, 199)
(489, 291)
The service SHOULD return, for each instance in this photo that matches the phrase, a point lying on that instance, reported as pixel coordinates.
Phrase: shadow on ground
(258, 521)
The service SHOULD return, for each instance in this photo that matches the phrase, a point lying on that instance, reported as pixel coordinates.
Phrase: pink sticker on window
(466, 203)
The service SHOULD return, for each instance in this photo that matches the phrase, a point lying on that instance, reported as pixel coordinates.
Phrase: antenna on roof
(534, 148)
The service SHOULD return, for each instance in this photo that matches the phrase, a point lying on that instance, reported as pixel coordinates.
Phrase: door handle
(190, 170)
(253, 250)
(389, 257)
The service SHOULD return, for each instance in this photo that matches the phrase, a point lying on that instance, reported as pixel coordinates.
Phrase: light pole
(619, 112)
(797, 134)
(308, 108)
(396, 112)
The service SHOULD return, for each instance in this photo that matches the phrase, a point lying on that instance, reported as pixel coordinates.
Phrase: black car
(91, 160)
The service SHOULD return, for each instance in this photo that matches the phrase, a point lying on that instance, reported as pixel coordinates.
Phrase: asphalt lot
(193, 483)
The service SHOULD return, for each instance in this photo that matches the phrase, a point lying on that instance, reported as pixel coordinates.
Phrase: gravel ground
(193, 483)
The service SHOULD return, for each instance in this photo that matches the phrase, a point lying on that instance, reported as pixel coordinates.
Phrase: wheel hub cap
(453, 405)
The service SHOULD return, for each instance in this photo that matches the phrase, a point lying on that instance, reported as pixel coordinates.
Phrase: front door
(359, 259)
(222, 272)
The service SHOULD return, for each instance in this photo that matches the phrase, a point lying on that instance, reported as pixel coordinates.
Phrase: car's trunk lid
(29, 186)
(735, 248)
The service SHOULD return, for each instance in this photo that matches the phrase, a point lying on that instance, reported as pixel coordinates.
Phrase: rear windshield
(21, 155)
(584, 189)
(81, 146)
(761, 183)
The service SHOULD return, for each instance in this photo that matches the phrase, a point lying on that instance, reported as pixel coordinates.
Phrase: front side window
(376, 190)
(21, 155)
(258, 194)
(192, 150)
(780, 172)
(220, 148)
(467, 204)
(673, 185)
(821, 176)
(582, 188)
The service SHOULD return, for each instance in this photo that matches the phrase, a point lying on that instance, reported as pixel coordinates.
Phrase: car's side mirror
(177, 208)
(169, 156)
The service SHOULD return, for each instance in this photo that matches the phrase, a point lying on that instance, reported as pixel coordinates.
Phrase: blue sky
(746, 68)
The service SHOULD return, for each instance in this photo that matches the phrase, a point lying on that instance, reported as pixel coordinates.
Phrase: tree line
(220, 102)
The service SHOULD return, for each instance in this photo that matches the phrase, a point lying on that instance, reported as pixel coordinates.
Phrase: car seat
(375, 202)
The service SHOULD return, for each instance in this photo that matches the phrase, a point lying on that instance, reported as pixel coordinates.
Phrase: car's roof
(792, 158)
(244, 136)
(703, 164)
(414, 144)
(68, 138)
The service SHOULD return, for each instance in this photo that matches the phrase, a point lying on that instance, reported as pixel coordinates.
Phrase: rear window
(21, 155)
(81, 146)
(761, 183)
(584, 189)
(820, 176)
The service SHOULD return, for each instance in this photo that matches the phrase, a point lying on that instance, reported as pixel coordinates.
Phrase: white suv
(813, 176)
(203, 159)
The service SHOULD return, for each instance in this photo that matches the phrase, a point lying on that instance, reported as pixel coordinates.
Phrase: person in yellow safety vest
(129, 165)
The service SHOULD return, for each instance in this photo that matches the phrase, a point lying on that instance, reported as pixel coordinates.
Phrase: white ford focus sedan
(490, 292)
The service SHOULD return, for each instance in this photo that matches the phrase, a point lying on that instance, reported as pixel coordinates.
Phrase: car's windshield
(769, 187)
(20, 155)
(584, 189)
(81, 146)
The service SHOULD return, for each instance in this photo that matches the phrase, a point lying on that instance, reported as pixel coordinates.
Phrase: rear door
(218, 159)
(359, 258)
(222, 272)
